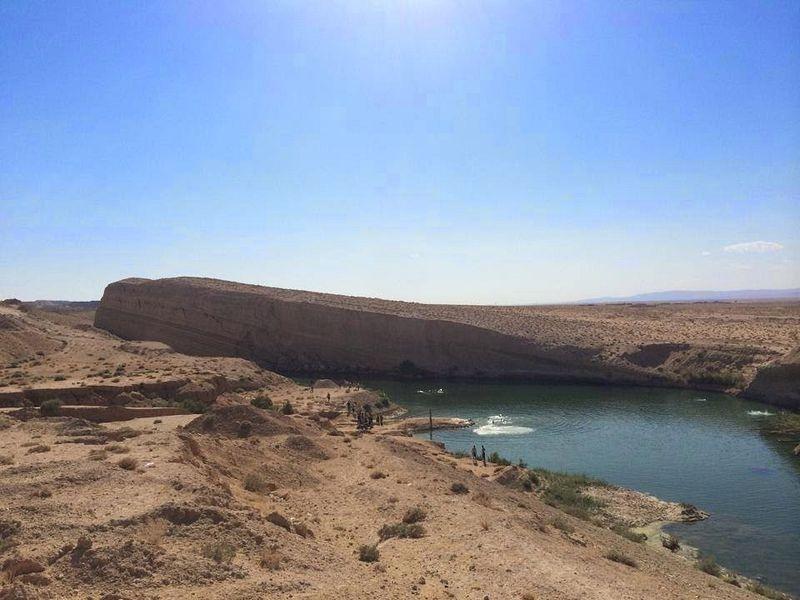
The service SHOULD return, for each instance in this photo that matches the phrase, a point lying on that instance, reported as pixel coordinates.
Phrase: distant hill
(700, 296)
(63, 305)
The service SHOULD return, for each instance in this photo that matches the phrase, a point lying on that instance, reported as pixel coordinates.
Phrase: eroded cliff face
(700, 346)
(778, 382)
(303, 336)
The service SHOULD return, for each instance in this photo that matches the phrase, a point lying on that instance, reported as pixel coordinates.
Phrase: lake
(687, 446)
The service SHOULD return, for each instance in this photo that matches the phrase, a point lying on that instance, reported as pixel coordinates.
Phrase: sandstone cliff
(706, 346)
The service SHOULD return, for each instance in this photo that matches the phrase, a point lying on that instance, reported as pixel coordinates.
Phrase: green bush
(401, 530)
(495, 458)
(262, 401)
(50, 408)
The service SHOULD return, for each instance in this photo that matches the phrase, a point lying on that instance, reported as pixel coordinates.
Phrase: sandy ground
(191, 517)
(249, 503)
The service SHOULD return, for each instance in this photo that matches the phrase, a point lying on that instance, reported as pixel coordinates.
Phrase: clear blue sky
(446, 151)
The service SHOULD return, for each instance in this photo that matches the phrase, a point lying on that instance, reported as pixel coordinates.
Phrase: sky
(431, 150)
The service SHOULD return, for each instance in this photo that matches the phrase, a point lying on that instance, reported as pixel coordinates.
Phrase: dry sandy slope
(61, 354)
(190, 481)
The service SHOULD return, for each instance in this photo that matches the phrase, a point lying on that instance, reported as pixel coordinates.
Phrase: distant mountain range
(700, 296)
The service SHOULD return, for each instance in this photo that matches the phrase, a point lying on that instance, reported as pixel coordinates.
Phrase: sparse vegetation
(707, 564)
(38, 449)
(287, 408)
(271, 559)
(564, 491)
(670, 542)
(220, 552)
(368, 553)
(98, 454)
(562, 525)
(762, 590)
(782, 424)
(401, 530)
(625, 532)
(6, 459)
(263, 401)
(193, 406)
(496, 459)
(50, 408)
(152, 531)
(244, 429)
(621, 558)
(117, 448)
(377, 475)
(128, 463)
(255, 482)
(459, 488)
(414, 515)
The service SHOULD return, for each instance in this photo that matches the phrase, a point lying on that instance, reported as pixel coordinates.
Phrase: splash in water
(759, 413)
(501, 425)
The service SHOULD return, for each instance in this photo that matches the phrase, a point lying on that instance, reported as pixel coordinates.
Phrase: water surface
(686, 446)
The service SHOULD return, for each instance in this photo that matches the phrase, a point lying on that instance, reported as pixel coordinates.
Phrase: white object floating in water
(501, 425)
(759, 413)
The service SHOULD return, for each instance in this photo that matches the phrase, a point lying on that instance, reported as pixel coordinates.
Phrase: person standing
(483, 455)
(474, 455)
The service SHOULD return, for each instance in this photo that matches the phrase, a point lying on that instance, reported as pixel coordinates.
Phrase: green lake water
(686, 446)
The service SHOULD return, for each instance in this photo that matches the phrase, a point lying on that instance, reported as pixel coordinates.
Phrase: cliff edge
(700, 345)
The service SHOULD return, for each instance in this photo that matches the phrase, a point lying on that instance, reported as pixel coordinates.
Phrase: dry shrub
(401, 530)
(255, 482)
(117, 448)
(378, 475)
(220, 552)
(671, 543)
(563, 525)
(619, 557)
(483, 499)
(152, 531)
(459, 488)
(271, 559)
(38, 449)
(368, 553)
(485, 525)
(128, 463)
(6, 459)
(98, 454)
(414, 515)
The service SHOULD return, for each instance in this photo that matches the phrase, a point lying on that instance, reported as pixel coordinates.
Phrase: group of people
(475, 455)
(363, 415)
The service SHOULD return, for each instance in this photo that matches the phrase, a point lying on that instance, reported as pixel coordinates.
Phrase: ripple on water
(501, 425)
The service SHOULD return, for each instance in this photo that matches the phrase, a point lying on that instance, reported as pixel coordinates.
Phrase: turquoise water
(679, 445)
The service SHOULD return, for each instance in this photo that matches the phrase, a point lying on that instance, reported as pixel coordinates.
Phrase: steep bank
(704, 345)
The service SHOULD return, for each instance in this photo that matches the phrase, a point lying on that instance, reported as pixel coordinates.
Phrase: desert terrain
(273, 493)
(748, 348)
